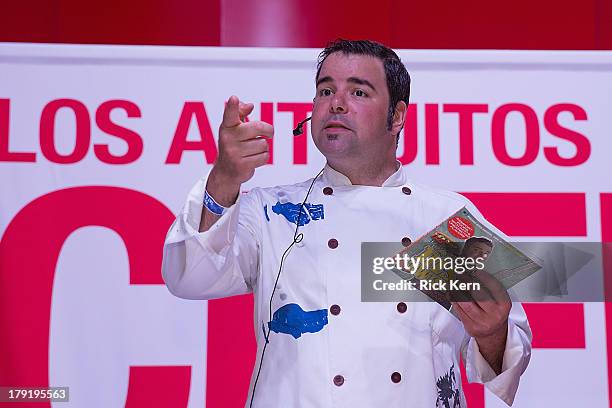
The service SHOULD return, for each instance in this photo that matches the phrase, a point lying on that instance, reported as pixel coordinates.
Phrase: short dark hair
(474, 240)
(398, 79)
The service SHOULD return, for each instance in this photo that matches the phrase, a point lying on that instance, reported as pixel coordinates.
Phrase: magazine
(444, 263)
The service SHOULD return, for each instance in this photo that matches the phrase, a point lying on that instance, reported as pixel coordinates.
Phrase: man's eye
(359, 92)
(325, 92)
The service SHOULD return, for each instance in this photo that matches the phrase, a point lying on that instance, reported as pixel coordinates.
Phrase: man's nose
(338, 104)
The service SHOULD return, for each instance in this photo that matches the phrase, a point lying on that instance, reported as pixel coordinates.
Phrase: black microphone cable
(297, 238)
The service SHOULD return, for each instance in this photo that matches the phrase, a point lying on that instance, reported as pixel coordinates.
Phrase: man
(318, 345)
(477, 247)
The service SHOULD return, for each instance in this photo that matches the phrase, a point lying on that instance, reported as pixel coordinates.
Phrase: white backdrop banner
(99, 146)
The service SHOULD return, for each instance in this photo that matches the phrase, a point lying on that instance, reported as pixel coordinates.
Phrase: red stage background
(520, 24)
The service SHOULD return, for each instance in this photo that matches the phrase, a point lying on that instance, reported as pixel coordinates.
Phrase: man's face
(349, 118)
(477, 250)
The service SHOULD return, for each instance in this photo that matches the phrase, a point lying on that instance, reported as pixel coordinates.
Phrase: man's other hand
(486, 318)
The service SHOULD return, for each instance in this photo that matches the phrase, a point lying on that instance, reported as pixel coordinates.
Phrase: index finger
(231, 113)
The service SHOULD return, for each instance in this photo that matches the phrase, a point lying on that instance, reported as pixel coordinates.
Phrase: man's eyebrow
(324, 79)
(354, 80)
(361, 81)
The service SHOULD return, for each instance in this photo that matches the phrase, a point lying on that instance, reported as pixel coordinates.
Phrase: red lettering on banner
(551, 329)
(582, 144)
(230, 352)
(179, 141)
(500, 139)
(267, 115)
(466, 113)
(432, 134)
(532, 134)
(5, 154)
(606, 239)
(150, 387)
(47, 131)
(541, 214)
(132, 139)
(410, 136)
(28, 264)
(300, 143)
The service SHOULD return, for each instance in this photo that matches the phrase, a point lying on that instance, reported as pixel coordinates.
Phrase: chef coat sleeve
(518, 346)
(220, 262)
(515, 360)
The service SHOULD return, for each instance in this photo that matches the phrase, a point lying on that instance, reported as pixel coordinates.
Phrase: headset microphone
(299, 130)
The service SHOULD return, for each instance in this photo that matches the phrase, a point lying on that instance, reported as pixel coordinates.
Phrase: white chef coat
(366, 354)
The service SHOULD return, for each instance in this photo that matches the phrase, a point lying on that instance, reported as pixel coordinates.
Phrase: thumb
(231, 113)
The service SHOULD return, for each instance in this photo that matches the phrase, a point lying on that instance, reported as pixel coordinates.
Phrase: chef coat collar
(335, 178)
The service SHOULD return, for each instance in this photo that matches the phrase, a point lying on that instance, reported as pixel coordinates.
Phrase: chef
(297, 249)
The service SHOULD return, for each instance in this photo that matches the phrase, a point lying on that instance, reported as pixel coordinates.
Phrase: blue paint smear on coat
(292, 319)
(291, 211)
(266, 212)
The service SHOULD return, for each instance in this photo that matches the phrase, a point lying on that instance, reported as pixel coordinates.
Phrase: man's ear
(399, 116)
